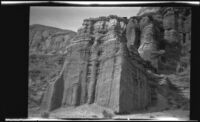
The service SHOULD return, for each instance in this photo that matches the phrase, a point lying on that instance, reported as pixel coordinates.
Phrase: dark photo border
(15, 36)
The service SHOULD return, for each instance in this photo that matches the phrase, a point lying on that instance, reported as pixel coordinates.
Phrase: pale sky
(71, 18)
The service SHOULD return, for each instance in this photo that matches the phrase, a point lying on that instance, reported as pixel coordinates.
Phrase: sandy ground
(95, 112)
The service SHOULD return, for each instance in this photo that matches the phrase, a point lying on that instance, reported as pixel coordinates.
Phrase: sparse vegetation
(45, 114)
(107, 114)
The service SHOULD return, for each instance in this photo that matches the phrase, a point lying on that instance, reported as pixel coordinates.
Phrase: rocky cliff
(46, 58)
(99, 68)
(117, 62)
(162, 36)
(48, 40)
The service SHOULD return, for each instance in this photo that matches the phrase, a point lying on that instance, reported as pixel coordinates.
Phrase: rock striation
(48, 40)
(162, 35)
(115, 62)
(100, 68)
(46, 58)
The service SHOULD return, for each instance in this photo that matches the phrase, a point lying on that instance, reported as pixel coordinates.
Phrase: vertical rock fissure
(113, 72)
(98, 72)
(83, 85)
(76, 94)
(94, 66)
(66, 65)
(57, 94)
(85, 75)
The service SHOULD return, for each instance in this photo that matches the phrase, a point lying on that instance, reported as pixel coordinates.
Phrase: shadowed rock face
(163, 36)
(133, 33)
(176, 29)
(99, 68)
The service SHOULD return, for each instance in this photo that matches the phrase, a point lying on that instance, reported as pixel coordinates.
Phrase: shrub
(107, 114)
(45, 114)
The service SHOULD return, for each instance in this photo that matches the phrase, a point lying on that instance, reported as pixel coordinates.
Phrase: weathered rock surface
(161, 28)
(42, 69)
(133, 33)
(112, 61)
(145, 10)
(46, 58)
(48, 40)
(99, 68)
(171, 35)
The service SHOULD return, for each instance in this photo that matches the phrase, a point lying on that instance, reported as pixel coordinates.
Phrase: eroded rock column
(133, 33)
(147, 42)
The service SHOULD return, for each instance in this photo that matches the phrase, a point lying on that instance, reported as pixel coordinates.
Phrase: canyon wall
(48, 40)
(162, 36)
(100, 68)
(46, 58)
(108, 61)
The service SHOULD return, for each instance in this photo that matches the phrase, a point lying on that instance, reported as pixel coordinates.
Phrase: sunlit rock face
(99, 68)
(147, 41)
(146, 10)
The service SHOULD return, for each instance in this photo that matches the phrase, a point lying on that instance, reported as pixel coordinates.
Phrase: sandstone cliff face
(99, 68)
(112, 61)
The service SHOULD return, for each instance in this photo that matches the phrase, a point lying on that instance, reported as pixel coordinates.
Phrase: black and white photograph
(109, 62)
(116, 60)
